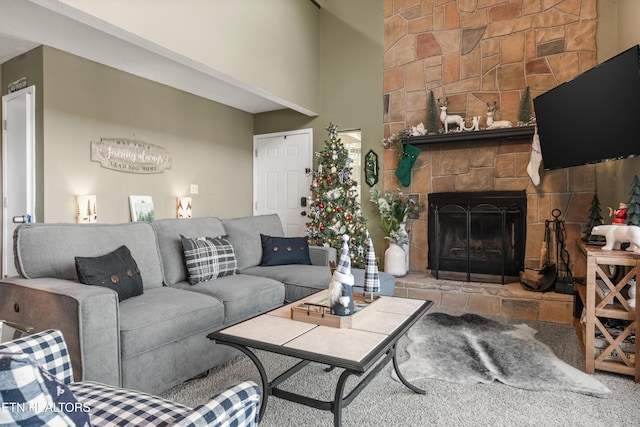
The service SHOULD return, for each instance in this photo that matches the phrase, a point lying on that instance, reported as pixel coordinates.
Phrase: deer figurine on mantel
(495, 124)
(447, 119)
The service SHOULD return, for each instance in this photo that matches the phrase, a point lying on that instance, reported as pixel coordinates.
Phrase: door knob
(303, 213)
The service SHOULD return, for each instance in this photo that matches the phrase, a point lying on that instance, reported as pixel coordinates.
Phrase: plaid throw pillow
(208, 258)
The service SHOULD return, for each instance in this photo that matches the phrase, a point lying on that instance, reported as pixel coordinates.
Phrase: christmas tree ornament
(409, 156)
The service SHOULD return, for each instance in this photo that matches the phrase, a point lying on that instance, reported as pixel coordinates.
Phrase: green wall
(350, 73)
(82, 101)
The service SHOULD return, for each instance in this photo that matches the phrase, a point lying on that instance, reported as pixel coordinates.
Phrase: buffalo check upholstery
(113, 406)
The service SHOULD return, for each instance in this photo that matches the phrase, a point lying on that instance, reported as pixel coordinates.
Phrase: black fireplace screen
(479, 233)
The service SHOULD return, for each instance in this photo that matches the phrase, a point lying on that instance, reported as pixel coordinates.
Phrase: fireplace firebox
(477, 235)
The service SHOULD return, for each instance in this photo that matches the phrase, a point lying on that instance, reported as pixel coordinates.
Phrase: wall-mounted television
(593, 117)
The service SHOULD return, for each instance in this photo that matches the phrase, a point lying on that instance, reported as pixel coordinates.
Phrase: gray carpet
(386, 402)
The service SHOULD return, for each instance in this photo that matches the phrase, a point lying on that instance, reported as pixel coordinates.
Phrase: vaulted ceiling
(25, 25)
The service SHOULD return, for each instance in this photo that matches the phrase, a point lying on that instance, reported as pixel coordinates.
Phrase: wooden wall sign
(127, 155)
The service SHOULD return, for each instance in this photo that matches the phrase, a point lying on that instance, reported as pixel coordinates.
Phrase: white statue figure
(619, 233)
(447, 119)
(418, 130)
(495, 124)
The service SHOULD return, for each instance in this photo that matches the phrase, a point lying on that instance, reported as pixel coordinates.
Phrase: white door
(18, 168)
(281, 184)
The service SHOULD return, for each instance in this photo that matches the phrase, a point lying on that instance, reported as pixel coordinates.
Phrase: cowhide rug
(471, 349)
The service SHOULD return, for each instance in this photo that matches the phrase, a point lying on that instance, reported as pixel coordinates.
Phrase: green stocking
(409, 156)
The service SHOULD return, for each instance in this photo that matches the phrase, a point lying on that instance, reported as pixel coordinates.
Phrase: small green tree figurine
(433, 117)
(524, 112)
(633, 207)
(595, 218)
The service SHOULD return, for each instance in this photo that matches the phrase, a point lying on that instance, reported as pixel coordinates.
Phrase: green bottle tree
(433, 116)
(633, 207)
(525, 112)
(334, 209)
(595, 218)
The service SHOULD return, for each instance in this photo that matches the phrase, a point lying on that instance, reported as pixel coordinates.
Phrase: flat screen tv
(594, 117)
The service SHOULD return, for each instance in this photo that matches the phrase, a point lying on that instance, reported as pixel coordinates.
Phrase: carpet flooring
(386, 402)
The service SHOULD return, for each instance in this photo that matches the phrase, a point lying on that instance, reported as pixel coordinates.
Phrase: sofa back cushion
(244, 235)
(49, 250)
(168, 233)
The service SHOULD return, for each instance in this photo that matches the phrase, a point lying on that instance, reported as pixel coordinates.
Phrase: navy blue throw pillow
(116, 270)
(284, 250)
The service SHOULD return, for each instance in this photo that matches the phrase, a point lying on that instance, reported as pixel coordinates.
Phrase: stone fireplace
(477, 236)
(477, 52)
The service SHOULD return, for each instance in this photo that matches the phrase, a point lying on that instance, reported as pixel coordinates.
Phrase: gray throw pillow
(208, 258)
(116, 270)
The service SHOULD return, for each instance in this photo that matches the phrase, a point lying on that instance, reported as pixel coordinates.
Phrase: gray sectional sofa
(156, 340)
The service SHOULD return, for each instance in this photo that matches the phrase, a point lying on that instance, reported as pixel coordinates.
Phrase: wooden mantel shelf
(520, 132)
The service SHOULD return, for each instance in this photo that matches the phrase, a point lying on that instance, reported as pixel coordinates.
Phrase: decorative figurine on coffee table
(371, 274)
(341, 285)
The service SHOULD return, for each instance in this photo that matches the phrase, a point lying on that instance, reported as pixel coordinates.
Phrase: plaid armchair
(37, 388)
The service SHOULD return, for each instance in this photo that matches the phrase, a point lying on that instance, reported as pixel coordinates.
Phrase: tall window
(353, 142)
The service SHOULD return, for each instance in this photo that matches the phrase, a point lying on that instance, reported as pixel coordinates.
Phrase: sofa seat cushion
(243, 296)
(164, 315)
(299, 280)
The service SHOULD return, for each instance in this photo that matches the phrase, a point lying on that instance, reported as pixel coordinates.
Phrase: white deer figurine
(447, 119)
(495, 124)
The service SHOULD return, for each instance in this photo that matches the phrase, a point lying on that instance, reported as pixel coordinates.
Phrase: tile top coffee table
(364, 348)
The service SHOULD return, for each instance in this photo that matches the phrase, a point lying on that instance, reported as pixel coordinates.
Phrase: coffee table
(364, 348)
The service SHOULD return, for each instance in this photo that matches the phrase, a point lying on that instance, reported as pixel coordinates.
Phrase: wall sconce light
(184, 207)
(86, 209)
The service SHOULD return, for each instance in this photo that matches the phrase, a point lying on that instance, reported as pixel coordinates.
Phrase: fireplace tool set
(557, 275)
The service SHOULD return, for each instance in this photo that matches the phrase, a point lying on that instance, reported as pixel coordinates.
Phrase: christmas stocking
(536, 158)
(409, 156)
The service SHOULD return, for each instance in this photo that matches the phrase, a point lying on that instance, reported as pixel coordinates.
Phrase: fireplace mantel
(520, 132)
